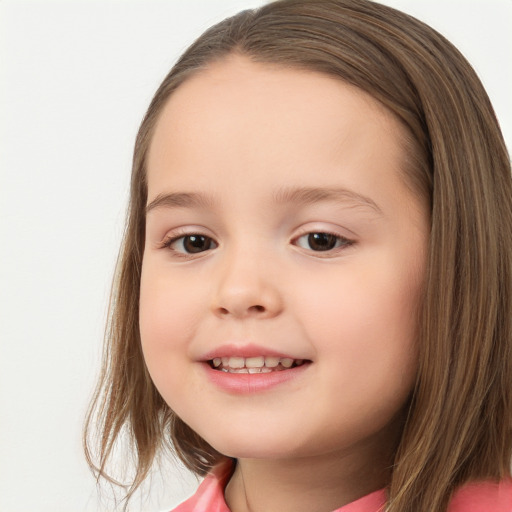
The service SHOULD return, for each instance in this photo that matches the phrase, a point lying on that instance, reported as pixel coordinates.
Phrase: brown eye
(321, 241)
(192, 244)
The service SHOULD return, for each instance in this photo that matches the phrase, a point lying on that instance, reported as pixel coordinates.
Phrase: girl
(314, 292)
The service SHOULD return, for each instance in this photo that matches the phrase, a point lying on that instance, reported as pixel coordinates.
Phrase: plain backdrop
(75, 80)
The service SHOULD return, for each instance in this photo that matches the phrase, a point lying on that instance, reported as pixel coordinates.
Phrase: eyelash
(168, 242)
(341, 243)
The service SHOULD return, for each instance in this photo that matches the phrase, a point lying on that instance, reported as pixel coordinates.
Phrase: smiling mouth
(259, 364)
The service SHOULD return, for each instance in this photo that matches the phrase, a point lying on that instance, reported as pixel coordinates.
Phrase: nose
(247, 288)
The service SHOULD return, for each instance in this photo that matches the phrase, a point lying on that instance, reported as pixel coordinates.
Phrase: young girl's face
(280, 230)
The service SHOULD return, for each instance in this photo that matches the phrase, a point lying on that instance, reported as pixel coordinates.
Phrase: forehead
(256, 118)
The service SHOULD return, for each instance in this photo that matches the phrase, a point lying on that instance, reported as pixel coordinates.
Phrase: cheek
(167, 320)
(366, 322)
(364, 302)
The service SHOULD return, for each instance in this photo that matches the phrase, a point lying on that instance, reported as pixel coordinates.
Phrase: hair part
(459, 425)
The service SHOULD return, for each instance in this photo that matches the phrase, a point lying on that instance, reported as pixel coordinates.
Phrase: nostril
(242, 311)
(251, 310)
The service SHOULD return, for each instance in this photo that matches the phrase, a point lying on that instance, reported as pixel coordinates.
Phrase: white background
(75, 80)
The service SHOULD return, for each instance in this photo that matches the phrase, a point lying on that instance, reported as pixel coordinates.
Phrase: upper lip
(245, 350)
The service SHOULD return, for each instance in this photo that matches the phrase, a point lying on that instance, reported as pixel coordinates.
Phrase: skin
(240, 133)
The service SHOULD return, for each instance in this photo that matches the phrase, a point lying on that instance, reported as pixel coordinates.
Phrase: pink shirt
(477, 497)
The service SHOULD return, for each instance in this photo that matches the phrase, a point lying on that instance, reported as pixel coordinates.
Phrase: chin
(251, 444)
(243, 451)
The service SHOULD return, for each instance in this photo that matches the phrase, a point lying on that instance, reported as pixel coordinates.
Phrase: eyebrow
(310, 195)
(180, 200)
(302, 196)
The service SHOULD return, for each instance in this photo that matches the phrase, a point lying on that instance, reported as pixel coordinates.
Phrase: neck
(321, 483)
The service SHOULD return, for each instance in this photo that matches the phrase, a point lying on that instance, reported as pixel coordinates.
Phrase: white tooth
(266, 370)
(271, 362)
(254, 370)
(255, 362)
(239, 370)
(287, 362)
(236, 362)
(225, 361)
(217, 361)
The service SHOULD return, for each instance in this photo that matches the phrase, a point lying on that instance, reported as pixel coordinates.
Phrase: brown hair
(459, 426)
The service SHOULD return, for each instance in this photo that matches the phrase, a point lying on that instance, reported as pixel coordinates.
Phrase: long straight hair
(459, 424)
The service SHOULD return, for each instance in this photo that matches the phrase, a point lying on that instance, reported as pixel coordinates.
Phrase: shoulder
(210, 493)
(483, 497)
(473, 497)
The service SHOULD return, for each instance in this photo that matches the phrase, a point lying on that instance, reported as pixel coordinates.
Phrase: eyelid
(178, 233)
(308, 230)
(182, 232)
(325, 227)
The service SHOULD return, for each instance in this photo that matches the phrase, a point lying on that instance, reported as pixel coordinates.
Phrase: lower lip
(250, 383)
